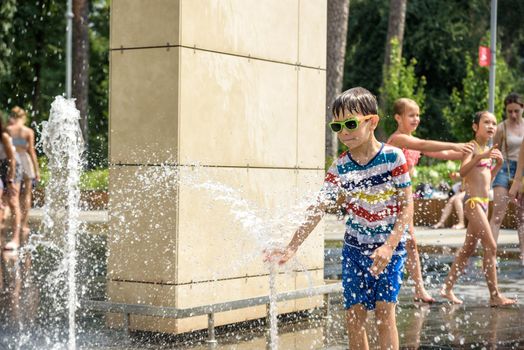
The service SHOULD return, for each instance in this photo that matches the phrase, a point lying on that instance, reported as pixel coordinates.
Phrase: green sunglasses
(350, 123)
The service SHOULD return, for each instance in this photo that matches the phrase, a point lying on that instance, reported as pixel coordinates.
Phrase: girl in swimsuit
(23, 139)
(478, 170)
(10, 178)
(407, 115)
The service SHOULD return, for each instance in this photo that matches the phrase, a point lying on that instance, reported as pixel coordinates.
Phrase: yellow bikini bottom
(482, 201)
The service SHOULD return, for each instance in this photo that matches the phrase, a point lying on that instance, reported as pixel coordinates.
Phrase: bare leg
(489, 264)
(14, 204)
(520, 230)
(25, 204)
(500, 204)
(446, 212)
(478, 228)
(463, 255)
(414, 269)
(356, 323)
(459, 209)
(387, 326)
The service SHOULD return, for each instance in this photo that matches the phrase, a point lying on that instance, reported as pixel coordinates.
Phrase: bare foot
(448, 294)
(423, 297)
(501, 301)
(438, 225)
(458, 227)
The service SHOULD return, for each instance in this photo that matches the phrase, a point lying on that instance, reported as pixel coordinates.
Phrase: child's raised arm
(382, 255)
(470, 160)
(436, 149)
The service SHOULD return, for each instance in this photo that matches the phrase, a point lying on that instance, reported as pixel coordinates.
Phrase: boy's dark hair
(355, 100)
(513, 98)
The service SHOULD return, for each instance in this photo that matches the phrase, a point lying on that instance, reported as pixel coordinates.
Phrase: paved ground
(473, 325)
(334, 231)
(426, 236)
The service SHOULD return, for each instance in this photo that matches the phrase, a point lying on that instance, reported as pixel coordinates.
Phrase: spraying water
(63, 144)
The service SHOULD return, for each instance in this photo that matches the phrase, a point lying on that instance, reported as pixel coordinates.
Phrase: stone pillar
(239, 87)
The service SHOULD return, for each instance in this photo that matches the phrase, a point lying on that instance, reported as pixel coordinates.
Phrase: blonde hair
(18, 112)
(400, 105)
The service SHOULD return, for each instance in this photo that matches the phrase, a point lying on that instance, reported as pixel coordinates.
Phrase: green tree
(32, 36)
(7, 10)
(400, 80)
(473, 96)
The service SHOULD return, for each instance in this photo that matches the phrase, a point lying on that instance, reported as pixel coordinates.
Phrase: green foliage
(97, 179)
(440, 34)
(435, 174)
(473, 97)
(32, 63)
(400, 80)
(7, 10)
(99, 85)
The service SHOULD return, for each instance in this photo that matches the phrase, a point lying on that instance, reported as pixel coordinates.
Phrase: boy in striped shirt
(370, 183)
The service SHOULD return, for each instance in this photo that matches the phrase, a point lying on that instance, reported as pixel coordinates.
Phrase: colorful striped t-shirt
(371, 191)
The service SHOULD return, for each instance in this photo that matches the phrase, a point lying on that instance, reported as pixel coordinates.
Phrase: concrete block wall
(239, 87)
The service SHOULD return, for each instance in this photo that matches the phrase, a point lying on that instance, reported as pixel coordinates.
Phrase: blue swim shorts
(502, 178)
(360, 287)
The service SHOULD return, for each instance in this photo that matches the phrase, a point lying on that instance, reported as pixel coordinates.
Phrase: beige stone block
(311, 118)
(196, 294)
(309, 279)
(263, 29)
(193, 295)
(142, 234)
(144, 106)
(237, 112)
(313, 33)
(227, 216)
(311, 253)
(144, 23)
(143, 294)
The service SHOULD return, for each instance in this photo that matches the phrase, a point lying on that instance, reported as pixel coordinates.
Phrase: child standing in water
(407, 116)
(371, 182)
(478, 170)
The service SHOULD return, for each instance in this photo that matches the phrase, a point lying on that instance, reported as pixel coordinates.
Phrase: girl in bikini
(407, 115)
(478, 169)
(23, 139)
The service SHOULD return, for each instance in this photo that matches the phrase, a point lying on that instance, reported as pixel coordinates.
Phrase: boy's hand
(381, 258)
(280, 255)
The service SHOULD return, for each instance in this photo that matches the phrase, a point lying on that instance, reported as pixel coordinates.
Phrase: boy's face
(410, 119)
(359, 136)
(487, 126)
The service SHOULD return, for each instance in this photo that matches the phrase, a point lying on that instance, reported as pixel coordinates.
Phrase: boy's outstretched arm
(382, 255)
(313, 216)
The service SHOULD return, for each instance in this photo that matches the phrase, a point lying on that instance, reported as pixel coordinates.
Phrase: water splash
(63, 144)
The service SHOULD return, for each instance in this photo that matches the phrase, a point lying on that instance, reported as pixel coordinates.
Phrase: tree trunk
(81, 62)
(337, 27)
(396, 24)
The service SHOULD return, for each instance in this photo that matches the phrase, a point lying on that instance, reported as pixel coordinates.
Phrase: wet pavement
(31, 316)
